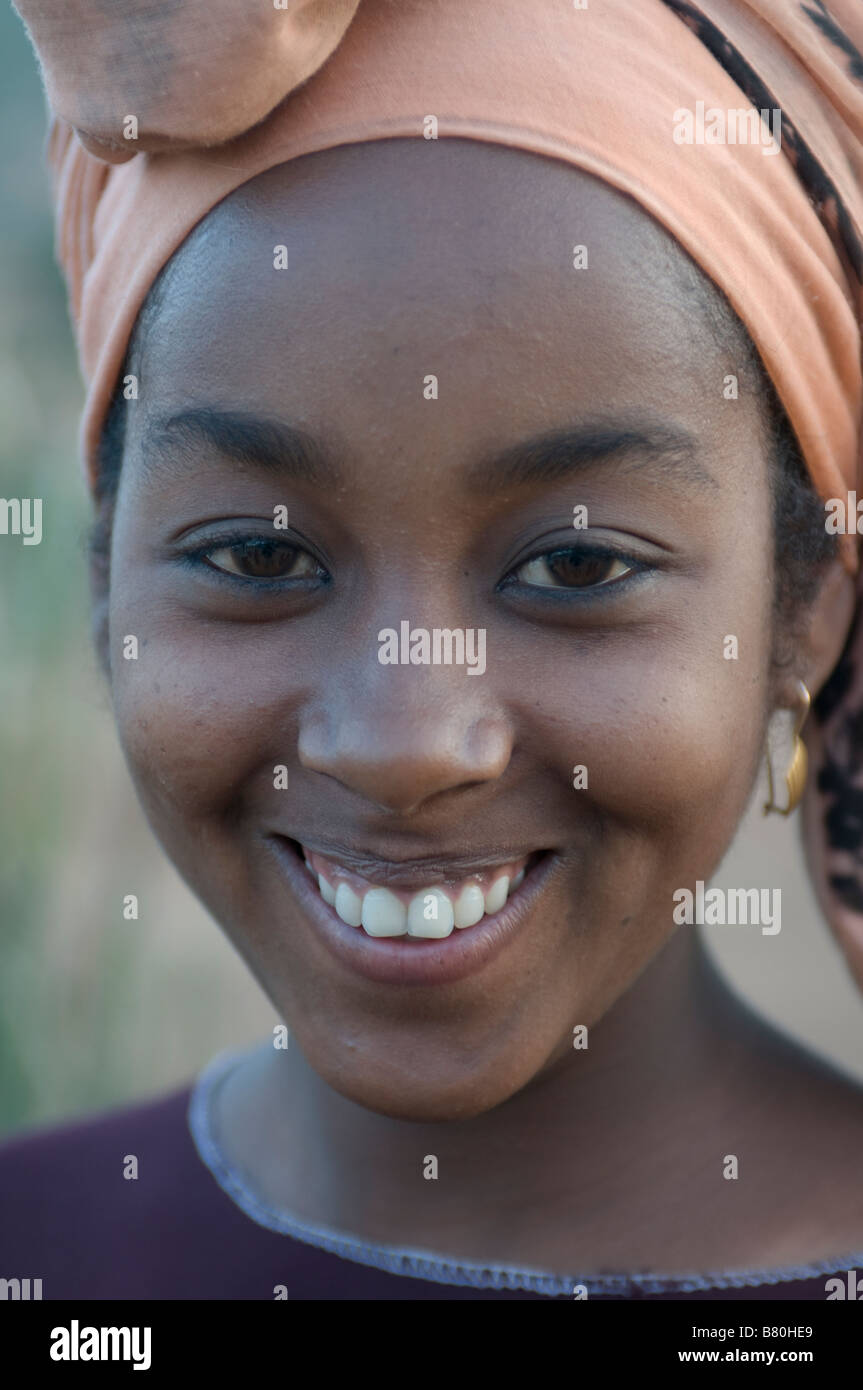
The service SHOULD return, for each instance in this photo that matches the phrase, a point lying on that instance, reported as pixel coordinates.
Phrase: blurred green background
(95, 1010)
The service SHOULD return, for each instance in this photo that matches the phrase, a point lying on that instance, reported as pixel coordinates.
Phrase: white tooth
(519, 879)
(430, 914)
(348, 905)
(326, 890)
(384, 914)
(469, 905)
(497, 894)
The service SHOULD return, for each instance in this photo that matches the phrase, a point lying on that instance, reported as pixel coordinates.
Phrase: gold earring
(795, 778)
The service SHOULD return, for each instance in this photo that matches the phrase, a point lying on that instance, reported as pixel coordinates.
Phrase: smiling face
(604, 646)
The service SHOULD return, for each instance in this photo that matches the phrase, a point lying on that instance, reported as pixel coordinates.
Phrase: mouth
(418, 923)
(429, 911)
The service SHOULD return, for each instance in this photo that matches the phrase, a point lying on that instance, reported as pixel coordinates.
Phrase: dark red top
(70, 1218)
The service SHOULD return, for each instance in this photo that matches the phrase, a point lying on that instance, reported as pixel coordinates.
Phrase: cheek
(668, 728)
(200, 717)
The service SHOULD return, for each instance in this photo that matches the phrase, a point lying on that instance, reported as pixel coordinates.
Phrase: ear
(823, 637)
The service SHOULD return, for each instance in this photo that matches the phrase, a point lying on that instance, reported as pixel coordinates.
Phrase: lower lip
(407, 961)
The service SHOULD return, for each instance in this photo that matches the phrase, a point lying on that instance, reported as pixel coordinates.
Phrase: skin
(455, 259)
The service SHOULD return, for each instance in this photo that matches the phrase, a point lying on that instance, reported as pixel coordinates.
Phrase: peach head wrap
(600, 84)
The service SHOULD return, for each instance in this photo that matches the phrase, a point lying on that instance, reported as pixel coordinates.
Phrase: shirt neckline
(425, 1264)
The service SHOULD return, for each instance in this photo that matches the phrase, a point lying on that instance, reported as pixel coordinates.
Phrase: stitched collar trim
(424, 1264)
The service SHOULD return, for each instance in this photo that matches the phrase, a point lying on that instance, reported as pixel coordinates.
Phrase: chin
(421, 1097)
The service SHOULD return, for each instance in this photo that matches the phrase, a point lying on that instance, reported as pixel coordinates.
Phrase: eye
(258, 557)
(572, 568)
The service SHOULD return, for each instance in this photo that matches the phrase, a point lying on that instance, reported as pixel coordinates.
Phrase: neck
(595, 1131)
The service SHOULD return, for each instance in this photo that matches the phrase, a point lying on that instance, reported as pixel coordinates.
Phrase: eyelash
(197, 559)
(600, 592)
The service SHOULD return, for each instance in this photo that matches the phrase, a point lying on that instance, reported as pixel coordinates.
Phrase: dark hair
(803, 547)
(802, 544)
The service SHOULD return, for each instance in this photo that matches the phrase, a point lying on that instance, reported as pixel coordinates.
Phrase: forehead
(452, 229)
(327, 288)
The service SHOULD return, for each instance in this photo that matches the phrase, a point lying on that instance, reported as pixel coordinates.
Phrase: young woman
(433, 471)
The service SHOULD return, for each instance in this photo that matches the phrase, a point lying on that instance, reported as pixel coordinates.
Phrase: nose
(406, 734)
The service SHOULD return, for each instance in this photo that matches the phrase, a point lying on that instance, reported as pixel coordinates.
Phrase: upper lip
(413, 873)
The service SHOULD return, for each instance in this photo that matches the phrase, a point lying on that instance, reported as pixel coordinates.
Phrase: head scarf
(644, 94)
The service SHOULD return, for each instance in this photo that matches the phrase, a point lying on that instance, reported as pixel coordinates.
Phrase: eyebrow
(670, 449)
(271, 445)
(289, 452)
